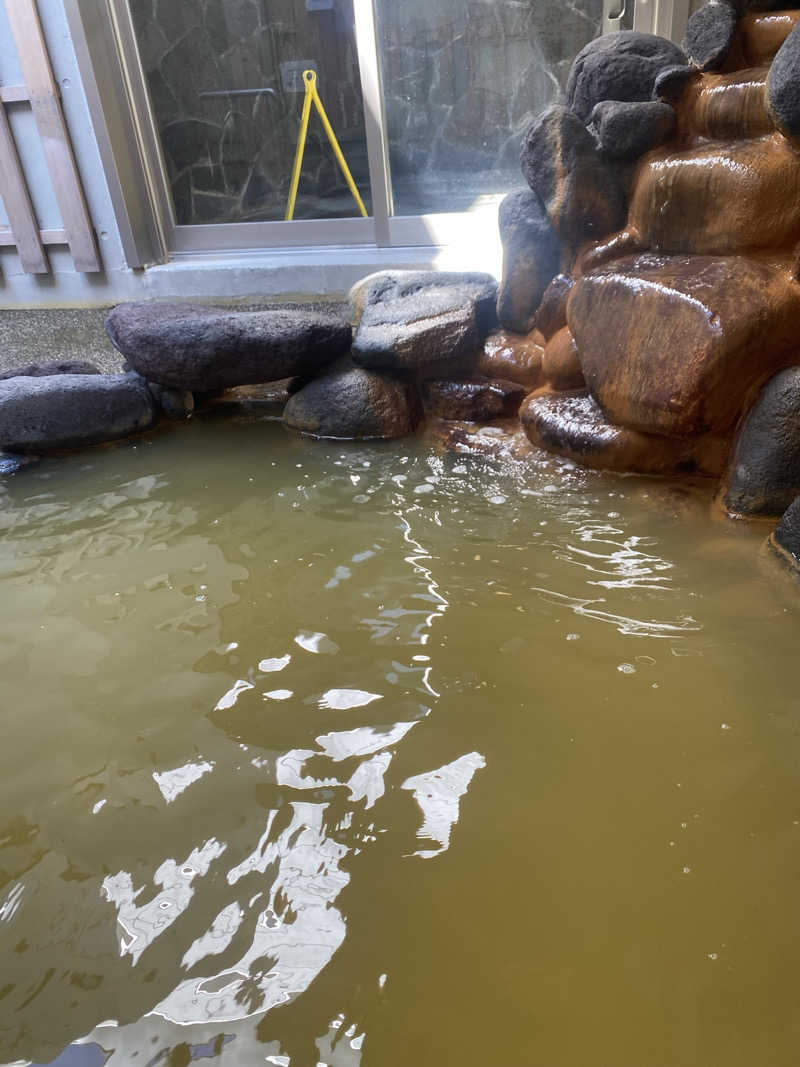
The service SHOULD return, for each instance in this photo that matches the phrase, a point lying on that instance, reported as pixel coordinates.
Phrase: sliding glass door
(427, 101)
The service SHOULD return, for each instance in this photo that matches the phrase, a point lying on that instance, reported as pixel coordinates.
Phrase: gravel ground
(46, 334)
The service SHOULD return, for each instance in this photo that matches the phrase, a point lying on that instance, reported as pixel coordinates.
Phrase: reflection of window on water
(462, 79)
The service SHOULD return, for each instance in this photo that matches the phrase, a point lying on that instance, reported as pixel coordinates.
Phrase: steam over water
(367, 756)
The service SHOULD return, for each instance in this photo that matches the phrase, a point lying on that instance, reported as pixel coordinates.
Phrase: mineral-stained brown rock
(718, 199)
(531, 256)
(581, 192)
(761, 34)
(201, 349)
(350, 402)
(561, 364)
(679, 345)
(572, 425)
(727, 106)
(474, 399)
(552, 314)
(763, 475)
(513, 357)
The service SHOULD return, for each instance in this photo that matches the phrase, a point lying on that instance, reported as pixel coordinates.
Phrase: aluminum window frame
(108, 58)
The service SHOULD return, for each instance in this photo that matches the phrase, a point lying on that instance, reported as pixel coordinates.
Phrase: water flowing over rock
(475, 400)
(201, 349)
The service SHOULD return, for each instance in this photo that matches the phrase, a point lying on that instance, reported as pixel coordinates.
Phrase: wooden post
(24, 227)
(44, 99)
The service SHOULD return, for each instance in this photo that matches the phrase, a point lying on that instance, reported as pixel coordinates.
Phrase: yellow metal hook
(312, 97)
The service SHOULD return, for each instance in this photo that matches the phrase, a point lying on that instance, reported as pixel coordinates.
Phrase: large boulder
(709, 34)
(678, 345)
(582, 194)
(572, 425)
(618, 66)
(763, 475)
(385, 285)
(627, 130)
(202, 349)
(406, 327)
(531, 257)
(473, 399)
(783, 86)
(350, 402)
(71, 410)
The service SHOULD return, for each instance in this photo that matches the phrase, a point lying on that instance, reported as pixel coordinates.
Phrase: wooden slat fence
(41, 93)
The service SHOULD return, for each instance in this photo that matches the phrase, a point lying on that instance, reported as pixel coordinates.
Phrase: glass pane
(229, 150)
(462, 81)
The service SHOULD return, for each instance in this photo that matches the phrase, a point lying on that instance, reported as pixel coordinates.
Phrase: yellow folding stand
(312, 97)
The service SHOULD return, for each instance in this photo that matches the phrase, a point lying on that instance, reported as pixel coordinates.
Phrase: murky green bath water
(360, 755)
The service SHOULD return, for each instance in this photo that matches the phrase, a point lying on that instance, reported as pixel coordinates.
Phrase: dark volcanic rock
(572, 425)
(44, 370)
(785, 539)
(475, 400)
(202, 348)
(350, 402)
(407, 328)
(628, 130)
(618, 66)
(392, 284)
(531, 256)
(552, 314)
(783, 86)
(671, 82)
(70, 410)
(709, 34)
(582, 194)
(763, 475)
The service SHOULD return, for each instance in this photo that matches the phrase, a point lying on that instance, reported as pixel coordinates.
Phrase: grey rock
(43, 370)
(403, 330)
(709, 34)
(203, 349)
(581, 192)
(174, 404)
(392, 284)
(618, 66)
(71, 410)
(783, 86)
(626, 130)
(671, 82)
(353, 403)
(785, 539)
(763, 474)
(475, 400)
(531, 257)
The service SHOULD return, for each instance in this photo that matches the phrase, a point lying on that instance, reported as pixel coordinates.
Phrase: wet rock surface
(561, 363)
(618, 66)
(552, 314)
(763, 475)
(42, 414)
(531, 258)
(351, 402)
(513, 357)
(678, 345)
(710, 33)
(198, 348)
(474, 400)
(582, 194)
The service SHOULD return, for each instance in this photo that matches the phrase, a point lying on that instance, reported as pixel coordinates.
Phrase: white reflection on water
(173, 783)
(344, 699)
(438, 793)
(623, 623)
(320, 644)
(618, 561)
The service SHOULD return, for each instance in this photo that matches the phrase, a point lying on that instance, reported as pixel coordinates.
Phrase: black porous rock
(531, 257)
(671, 83)
(618, 66)
(390, 284)
(709, 34)
(203, 349)
(406, 329)
(763, 474)
(785, 539)
(71, 410)
(351, 403)
(581, 192)
(473, 400)
(783, 86)
(43, 370)
(626, 130)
